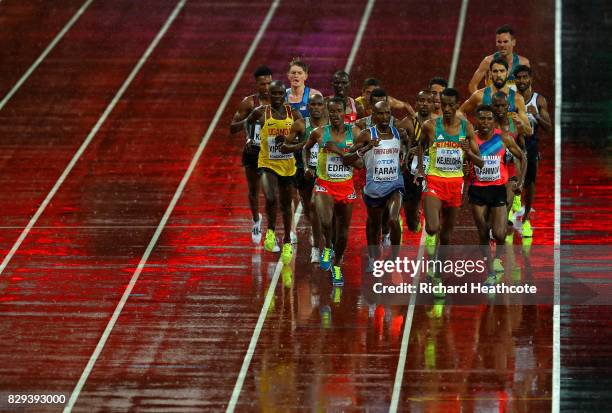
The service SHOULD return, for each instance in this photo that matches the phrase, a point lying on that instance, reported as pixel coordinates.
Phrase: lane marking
(357, 42)
(90, 137)
(556, 373)
(44, 54)
(179, 190)
(458, 40)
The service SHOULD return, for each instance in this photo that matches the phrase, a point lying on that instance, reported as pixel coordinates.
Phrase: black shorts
(532, 166)
(249, 160)
(282, 180)
(412, 191)
(379, 202)
(302, 182)
(492, 196)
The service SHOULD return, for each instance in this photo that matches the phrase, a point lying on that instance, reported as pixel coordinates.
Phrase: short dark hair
(450, 92)
(370, 82)
(498, 61)
(277, 83)
(378, 93)
(262, 71)
(499, 95)
(484, 108)
(505, 29)
(340, 73)
(338, 100)
(438, 81)
(521, 68)
(296, 61)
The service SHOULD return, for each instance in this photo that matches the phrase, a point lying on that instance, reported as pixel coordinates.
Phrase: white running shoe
(386, 241)
(256, 231)
(314, 255)
(293, 236)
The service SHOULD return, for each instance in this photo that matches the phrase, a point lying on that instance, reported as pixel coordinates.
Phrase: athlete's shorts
(282, 180)
(372, 202)
(492, 196)
(532, 166)
(249, 160)
(447, 190)
(302, 182)
(412, 191)
(342, 192)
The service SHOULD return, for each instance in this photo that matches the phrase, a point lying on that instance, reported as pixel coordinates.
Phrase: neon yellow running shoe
(497, 265)
(287, 253)
(270, 243)
(527, 229)
(439, 291)
(337, 277)
(430, 244)
(326, 259)
(509, 238)
(401, 225)
(287, 276)
(516, 203)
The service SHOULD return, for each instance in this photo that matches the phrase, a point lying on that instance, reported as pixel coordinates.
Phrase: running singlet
(254, 128)
(351, 118)
(270, 155)
(329, 165)
(314, 151)
(361, 100)
(532, 140)
(301, 106)
(382, 164)
(445, 154)
(369, 124)
(418, 130)
(486, 98)
(511, 79)
(493, 152)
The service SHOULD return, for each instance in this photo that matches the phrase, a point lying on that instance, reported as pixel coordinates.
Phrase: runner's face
(297, 76)
(485, 122)
(336, 114)
(499, 75)
(500, 107)
(436, 91)
(522, 81)
(375, 99)
(448, 104)
(277, 96)
(505, 44)
(424, 104)
(316, 105)
(263, 86)
(341, 85)
(367, 92)
(382, 116)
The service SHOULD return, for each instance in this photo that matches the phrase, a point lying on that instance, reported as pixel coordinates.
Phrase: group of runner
(395, 157)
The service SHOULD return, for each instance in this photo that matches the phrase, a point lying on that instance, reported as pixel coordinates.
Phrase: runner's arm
(361, 146)
(314, 137)
(471, 149)
(522, 114)
(469, 105)
(479, 74)
(401, 105)
(543, 117)
(291, 144)
(239, 119)
(519, 155)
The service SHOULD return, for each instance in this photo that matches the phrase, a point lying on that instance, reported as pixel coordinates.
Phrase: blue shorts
(382, 201)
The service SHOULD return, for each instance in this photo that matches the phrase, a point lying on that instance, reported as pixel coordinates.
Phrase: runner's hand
(517, 187)
(309, 173)
(279, 140)
(251, 148)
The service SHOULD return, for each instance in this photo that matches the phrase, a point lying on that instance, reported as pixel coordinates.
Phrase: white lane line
(357, 42)
(556, 373)
(173, 202)
(44, 54)
(90, 136)
(399, 372)
(246, 362)
(458, 40)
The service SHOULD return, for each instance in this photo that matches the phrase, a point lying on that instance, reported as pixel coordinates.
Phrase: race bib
(449, 159)
(274, 152)
(415, 162)
(386, 168)
(314, 154)
(490, 171)
(256, 137)
(335, 169)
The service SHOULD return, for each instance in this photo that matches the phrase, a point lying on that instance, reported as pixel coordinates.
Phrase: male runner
(537, 112)
(487, 192)
(250, 153)
(499, 77)
(306, 169)
(334, 191)
(298, 93)
(448, 140)
(436, 86)
(277, 169)
(364, 107)
(505, 42)
(382, 148)
(341, 85)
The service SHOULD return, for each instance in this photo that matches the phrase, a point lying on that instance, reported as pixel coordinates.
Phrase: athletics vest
(270, 155)
(314, 151)
(418, 131)
(254, 128)
(301, 106)
(486, 98)
(329, 165)
(445, 153)
(493, 152)
(382, 164)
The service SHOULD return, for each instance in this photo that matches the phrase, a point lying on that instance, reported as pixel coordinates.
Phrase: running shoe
(256, 231)
(270, 243)
(491, 280)
(526, 243)
(314, 255)
(337, 294)
(527, 229)
(516, 203)
(439, 294)
(287, 253)
(287, 276)
(430, 244)
(326, 259)
(294, 238)
(401, 225)
(386, 240)
(497, 265)
(337, 277)
(509, 240)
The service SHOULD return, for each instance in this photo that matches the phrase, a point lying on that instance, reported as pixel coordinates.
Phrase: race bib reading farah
(490, 171)
(449, 159)
(387, 164)
(335, 169)
(274, 150)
